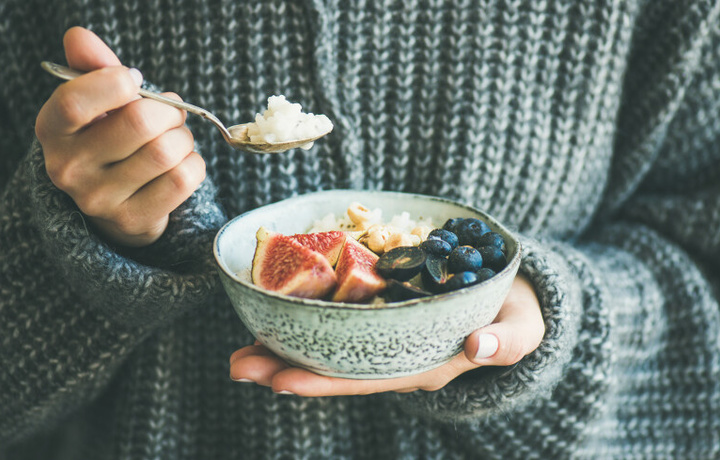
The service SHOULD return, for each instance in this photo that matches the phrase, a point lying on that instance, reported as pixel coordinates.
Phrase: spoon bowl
(240, 140)
(236, 136)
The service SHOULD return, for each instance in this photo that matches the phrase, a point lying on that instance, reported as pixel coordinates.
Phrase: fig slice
(283, 265)
(328, 244)
(357, 279)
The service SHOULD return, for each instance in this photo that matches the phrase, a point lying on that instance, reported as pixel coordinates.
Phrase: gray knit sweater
(590, 126)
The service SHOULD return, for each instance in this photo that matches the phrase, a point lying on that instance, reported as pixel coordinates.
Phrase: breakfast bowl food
(335, 333)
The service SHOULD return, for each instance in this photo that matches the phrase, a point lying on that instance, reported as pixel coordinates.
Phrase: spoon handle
(67, 73)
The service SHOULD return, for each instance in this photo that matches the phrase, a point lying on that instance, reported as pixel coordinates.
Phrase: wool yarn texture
(589, 127)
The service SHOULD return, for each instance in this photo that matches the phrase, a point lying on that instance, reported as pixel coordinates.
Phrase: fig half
(283, 265)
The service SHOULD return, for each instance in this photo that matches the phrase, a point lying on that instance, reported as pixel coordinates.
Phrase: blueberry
(493, 258)
(470, 230)
(464, 259)
(436, 246)
(401, 263)
(451, 224)
(492, 239)
(484, 274)
(446, 236)
(461, 280)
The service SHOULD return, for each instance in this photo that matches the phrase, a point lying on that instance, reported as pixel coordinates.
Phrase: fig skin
(283, 265)
(357, 280)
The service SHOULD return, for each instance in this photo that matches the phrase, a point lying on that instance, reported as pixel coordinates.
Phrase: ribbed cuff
(139, 287)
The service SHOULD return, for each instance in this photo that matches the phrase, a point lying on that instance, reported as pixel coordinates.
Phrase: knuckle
(139, 122)
(129, 224)
(93, 203)
(185, 143)
(42, 126)
(129, 221)
(201, 168)
(189, 174)
(88, 203)
(68, 106)
(161, 154)
(42, 132)
(188, 138)
(181, 177)
(177, 115)
(119, 79)
(167, 150)
(61, 174)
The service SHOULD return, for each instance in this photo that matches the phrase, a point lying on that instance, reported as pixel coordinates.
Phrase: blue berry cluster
(465, 251)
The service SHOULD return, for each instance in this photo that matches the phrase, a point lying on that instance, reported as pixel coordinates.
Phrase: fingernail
(284, 392)
(241, 380)
(136, 76)
(487, 346)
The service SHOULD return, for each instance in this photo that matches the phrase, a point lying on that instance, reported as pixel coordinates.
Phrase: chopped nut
(397, 240)
(377, 238)
(363, 226)
(375, 228)
(421, 231)
(394, 230)
(359, 213)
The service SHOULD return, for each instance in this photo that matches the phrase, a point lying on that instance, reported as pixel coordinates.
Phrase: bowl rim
(511, 267)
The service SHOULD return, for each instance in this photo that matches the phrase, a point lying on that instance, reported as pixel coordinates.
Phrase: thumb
(86, 51)
(517, 331)
(496, 345)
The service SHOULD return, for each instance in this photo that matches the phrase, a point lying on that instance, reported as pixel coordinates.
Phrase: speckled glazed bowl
(358, 341)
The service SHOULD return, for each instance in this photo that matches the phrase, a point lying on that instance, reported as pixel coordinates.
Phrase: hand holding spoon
(236, 136)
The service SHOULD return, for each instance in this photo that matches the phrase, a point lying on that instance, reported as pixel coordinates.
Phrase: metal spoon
(235, 135)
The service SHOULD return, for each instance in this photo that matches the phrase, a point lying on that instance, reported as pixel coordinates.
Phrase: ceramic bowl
(360, 341)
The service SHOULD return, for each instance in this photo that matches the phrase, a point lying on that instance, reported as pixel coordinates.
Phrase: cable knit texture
(589, 126)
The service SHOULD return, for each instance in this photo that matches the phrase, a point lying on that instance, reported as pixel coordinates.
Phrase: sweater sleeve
(72, 307)
(631, 308)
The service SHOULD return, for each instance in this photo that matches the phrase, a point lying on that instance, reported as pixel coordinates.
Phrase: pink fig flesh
(283, 265)
(328, 244)
(357, 279)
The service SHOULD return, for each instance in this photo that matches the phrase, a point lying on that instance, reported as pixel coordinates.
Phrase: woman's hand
(127, 162)
(516, 332)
